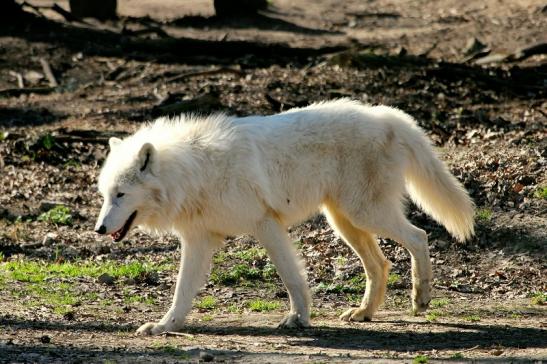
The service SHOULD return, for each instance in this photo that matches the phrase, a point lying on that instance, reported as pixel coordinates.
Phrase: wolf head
(130, 187)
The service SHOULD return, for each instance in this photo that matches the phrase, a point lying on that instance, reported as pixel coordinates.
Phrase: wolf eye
(120, 194)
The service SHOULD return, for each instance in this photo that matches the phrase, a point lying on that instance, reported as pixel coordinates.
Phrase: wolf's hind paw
(151, 328)
(293, 321)
(355, 314)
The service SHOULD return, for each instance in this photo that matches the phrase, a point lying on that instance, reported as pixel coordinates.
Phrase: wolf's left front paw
(151, 328)
(293, 321)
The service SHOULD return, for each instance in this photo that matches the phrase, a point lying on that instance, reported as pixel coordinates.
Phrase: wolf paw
(421, 296)
(419, 306)
(293, 321)
(356, 314)
(151, 328)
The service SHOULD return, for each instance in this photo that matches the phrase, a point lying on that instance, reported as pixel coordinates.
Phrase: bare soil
(488, 120)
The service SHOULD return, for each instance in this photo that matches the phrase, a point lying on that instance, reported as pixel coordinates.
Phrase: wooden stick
(48, 73)
(65, 14)
(19, 77)
(205, 73)
(171, 333)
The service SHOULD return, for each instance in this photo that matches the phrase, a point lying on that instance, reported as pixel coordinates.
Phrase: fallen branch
(66, 14)
(523, 53)
(172, 333)
(217, 71)
(471, 349)
(19, 77)
(150, 30)
(49, 74)
(34, 7)
(85, 136)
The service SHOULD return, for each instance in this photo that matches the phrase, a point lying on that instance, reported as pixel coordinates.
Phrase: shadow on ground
(454, 336)
(263, 21)
(27, 116)
(165, 49)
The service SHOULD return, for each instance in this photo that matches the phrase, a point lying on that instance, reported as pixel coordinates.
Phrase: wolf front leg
(282, 253)
(195, 264)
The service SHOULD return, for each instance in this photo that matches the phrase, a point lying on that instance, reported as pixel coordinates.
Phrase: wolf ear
(114, 142)
(145, 156)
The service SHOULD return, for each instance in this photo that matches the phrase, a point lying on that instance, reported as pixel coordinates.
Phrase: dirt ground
(463, 69)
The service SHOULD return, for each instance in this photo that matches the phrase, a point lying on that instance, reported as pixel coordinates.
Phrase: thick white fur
(206, 178)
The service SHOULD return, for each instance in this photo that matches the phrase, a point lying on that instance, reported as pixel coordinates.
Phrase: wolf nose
(101, 230)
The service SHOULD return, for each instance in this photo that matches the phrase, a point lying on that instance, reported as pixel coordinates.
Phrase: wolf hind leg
(390, 222)
(273, 237)
(374, 262)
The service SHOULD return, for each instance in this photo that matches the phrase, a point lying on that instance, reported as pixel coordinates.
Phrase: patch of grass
(539, 298)
(220, 257)
(207, 303)
(130, 298)
(393, 279)
(59, 215)
(541, 193)
(170, 349)
(106, 302)
(420, 359)
(252, 254)
(34, 271)
(439, 302)
(233, 308)
(354, 298)
(433, 315)
(259, 305)
(47, 141)
(457, 356)
(207, 318)
(484, 214)
(72, 163)
(58, 297)
(236, 274)
(314, 314)
(472, 318)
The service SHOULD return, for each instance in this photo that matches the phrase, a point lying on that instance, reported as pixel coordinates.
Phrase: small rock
(205, 356)
(45, 339)
(106, 279)
(33, 77)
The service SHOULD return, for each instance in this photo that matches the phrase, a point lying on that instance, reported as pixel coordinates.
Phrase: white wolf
(206, 178)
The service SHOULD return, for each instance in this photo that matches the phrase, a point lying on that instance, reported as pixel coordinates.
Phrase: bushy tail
(434, 189)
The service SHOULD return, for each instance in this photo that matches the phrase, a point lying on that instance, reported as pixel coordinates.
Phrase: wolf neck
(187, 153)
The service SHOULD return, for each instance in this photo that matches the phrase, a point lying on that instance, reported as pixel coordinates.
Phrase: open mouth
(120, 234)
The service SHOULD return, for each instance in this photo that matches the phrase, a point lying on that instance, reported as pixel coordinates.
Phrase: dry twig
(216, 71)
(19, 77)
(49, 74)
